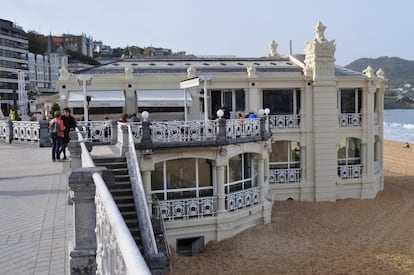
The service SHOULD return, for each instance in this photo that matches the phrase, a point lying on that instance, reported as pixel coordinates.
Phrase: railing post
(263, 129)
(9, 137)
(124, 146)
(146, 133)
(83, 253)
(221, 135)
(114, 132)
(83, 249)
(44, 139)
(156, 263)
(75, 151)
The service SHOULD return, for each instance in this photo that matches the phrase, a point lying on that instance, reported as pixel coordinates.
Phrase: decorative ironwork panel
(350, 120)
(187, 208)
(284, 121)
(181, 131)
(282, 176)
(242, 199)
(242, 128)
(350, 171)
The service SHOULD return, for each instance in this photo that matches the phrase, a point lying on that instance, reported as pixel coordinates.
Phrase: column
(221, 196)
(260, 179)
(146, 180)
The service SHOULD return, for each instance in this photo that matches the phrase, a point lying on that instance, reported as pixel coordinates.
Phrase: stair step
(119, 185)
(121, 178)
(119, 171)
(127, 215)
(123, 199)
(108, 159)
(126, 207)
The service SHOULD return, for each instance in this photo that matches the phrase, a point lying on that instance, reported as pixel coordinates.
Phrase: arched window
(349, 158)
(240, 173)
(182, 178)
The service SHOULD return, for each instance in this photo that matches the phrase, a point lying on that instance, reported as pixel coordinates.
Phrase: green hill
(398, 71)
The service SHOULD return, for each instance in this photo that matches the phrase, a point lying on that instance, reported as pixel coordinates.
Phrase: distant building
(76, 43)
(14, 46)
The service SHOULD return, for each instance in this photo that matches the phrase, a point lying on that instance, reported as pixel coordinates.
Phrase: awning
(162, 98)
(98, 98)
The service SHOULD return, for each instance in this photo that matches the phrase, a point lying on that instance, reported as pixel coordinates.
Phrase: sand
(370, 236)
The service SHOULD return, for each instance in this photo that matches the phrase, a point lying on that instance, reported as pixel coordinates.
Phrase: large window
(240, 173)
(351, 101)
(282, 102)
(233, 100)
(285, 155)
(182, 178)
(349, 151)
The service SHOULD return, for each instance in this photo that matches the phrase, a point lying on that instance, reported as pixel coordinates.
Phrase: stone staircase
(122, 193)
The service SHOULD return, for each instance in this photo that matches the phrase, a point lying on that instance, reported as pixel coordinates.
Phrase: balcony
(284, 121)
(350, 120)
(285, 176)
(350, 171)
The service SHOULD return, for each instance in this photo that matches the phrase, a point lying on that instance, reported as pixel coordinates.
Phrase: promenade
(35, 219)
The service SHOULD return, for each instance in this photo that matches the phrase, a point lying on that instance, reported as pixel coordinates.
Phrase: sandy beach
(372, 236)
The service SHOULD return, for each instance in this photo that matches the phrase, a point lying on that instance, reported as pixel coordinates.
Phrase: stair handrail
(131, 257)
(140, 201)
(162, 228)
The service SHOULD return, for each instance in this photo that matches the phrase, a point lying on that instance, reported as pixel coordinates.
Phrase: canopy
(162, 98)
(98, 99)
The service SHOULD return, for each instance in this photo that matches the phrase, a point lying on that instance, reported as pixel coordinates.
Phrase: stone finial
(380, 73)
(191, 72)
(320, 32)
(251, 70)
(369, 72)
(273, 49)
(63, 73)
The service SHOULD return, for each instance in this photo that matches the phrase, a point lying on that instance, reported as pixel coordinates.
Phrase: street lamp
(84, 79)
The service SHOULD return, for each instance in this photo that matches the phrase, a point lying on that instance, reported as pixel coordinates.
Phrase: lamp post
(84, 79)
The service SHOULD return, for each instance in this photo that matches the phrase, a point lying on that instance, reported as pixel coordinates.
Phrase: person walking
(56, 128)
(70, 124)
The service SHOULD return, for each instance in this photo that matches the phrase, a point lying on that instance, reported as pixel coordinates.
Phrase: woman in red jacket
(58, 136)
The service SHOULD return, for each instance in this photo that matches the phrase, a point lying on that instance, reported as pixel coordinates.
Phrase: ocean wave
(397, 125)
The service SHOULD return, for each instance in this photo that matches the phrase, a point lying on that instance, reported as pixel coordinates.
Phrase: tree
(37, 42)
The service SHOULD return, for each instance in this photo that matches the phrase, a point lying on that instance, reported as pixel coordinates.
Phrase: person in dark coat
(70, 124)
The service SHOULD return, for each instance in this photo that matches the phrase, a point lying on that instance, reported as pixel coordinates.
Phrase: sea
(399, 125)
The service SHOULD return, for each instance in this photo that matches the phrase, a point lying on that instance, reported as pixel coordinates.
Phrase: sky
(227, 27)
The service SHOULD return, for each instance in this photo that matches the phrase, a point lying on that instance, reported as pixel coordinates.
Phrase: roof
(202, 65)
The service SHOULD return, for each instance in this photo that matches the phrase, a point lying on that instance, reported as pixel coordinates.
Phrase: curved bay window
(240, 182)
(284, 162)
(182, 179)
(349, 158)
(240, 173)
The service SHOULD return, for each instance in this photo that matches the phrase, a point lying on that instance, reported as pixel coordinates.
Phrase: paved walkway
(35, 219)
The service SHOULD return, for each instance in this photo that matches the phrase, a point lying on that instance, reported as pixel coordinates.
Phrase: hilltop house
(326, 139)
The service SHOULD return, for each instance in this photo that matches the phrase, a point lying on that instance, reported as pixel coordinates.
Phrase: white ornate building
(325, 121)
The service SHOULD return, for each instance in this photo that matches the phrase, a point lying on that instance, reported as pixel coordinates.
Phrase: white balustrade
(26, 131)
(179, 131)
(284, 121)
(186, 208)
(236, 128)
(4, 130)
(282, 176)
(350, 120)
(350, 171)
(242, 199)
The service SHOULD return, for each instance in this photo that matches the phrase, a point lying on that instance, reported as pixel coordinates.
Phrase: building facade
(326, 132)
(14, 47)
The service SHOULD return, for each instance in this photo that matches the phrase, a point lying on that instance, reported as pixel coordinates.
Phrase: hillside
(398, 71)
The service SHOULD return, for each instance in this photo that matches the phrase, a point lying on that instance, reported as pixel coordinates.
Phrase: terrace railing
(284, 121)
(187, 208)
(350, 171)
(242, 199)
(284, 176)
(350, 120)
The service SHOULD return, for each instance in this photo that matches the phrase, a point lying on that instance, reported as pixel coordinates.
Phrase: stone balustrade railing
(350, 120)
(102, 243)
(29, 132)
(282, 176)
